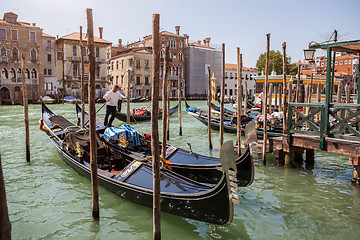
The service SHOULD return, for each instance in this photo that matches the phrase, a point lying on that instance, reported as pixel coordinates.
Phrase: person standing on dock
(112, 98)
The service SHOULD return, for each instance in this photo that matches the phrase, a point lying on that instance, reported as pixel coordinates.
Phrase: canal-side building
(176, 43)
(135, 61)
(51, 85)
(198, 57)
(231, 77)
(68, 64)
(16, 38)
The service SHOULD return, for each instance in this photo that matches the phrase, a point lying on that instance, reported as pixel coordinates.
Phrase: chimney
(177, 29)
(34, 24)
(187, 38)
(101, 31)
(199, 42)
(57, 37)
(208, 41)
(120, 43)
(205, 42)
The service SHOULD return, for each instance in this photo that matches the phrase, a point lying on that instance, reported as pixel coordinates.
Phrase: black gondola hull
(134, 118)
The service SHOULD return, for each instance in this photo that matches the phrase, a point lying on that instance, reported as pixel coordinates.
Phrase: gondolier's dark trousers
(110, 110)
(119, 105)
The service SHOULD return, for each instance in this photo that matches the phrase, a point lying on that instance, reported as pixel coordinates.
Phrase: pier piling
(239, 100)
(5, 224)
(246, 98)
(209, 108)
(285, 90)
(179, 109)
(92, 117)
(264, 104)
(165, 103)
(155, 127)
(26, 109)
(82, 80)
(222, 96)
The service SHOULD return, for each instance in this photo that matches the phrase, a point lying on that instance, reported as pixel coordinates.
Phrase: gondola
(228, 127)
(136, 99)
(228, 113)
(133, 180)
(135, 118)
(187, 163)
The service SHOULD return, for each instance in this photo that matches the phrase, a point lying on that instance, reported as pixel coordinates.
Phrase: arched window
(180, 44)
(173, 71)
(177, 71)
(162, 54)
(181, 72)
(33, 54)
(75, 70)
(75, 86)
(17, 89)
(97, 52)
(3, 52)
(97, 72)
(33, 73)
(27, 74)
(19, 75)
(15, 53)
(12, 74)
(74, 51)
(181, 55)
(4, 74)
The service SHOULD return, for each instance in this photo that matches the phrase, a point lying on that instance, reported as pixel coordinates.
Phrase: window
(97, 72)
(15, 53)
(32, 36)
(75, 70)
(235, 75)
(230, 92)
(345, 62)
(48, 43)
(33, 73)
(225, 91)
(349, 61)
(122, 79)
(59, 56)
(3, 52)
(49, 72)
(146, 63)
(147, 92)
(27, 74)
(19, 75)
(97, 52)
(45, 71)
(322, 64)
(137, 63)
(336, 63)
(122, 64)
(49, 87)
(226, 76)
(117, 80)
(74, 51)
(138, 80)
(4, 74)
(112, 66)
(341, 62)
(33, 54)
(180, 44)
(174, 55)
(49, 57)
(181, 56)
(117, 65)
(147, 81)
(14, 35)
(12, 74)
(10, 19)
(2, 34)
(231, 76)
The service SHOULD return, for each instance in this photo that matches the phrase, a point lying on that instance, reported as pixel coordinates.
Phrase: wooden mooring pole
(26, 109)
(168, 109)
(265, 97)
(271, 88)
(128, 97)
(280, 98)
(209, 108)
(165, 103)
(155, 127)
(5, 225)
(179, 100)
(239, 101)
(246, 98)
(284, 89)
(221, 135)
(82, 80)
(92, 117)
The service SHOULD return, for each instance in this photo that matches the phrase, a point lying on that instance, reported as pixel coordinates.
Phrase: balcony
(13, 80)
(4, 59)
(33, 60)
(19, 79)
(74, 58)
(100, 60)
(86, 59)
(172, 77)
(35, 81)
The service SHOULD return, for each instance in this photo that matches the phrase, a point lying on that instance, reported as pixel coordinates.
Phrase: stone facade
(231, 77)
(51, 85)
(18, 38)
(68, 64)
(136, 61)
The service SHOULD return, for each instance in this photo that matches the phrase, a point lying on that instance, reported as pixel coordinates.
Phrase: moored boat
(144, 117)
(133, 181)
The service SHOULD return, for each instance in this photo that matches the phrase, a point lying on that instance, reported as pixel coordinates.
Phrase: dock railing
(309, 119)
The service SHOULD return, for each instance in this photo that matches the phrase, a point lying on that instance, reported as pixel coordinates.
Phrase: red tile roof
(196, 44)
(47, 35)
(234, 67)
(76, 36)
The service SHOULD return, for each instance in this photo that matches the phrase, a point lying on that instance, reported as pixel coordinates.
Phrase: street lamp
(309, 54)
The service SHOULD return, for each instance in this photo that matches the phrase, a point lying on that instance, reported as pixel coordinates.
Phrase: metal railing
(35, 81)
(309, 119)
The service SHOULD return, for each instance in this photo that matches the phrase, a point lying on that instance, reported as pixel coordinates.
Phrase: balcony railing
(172, 77)
(13, 80)
(19, 79)
(74, 58)
(100, 60)
(34, 81)
(33, 59)
(4, 59)
(86, 59)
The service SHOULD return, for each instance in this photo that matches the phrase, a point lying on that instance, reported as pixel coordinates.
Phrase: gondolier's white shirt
(113, 97)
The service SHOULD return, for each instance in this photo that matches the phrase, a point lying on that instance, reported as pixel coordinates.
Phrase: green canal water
(49, 200)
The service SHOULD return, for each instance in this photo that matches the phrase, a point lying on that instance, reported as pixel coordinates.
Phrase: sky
(237, 23)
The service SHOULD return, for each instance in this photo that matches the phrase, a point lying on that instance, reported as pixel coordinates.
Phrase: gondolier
(112, 98)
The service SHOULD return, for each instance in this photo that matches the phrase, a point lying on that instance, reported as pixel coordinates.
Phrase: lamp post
(309, 54)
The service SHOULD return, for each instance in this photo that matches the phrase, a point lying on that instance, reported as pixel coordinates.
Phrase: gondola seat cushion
(126, 130)
(192, 109)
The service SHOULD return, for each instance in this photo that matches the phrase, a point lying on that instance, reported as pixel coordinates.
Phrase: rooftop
(76, 37)
(234, 67)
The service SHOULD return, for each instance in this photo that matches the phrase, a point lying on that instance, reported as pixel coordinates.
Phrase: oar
(95, 113)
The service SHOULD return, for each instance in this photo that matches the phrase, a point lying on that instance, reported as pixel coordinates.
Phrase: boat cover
(126, 131)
